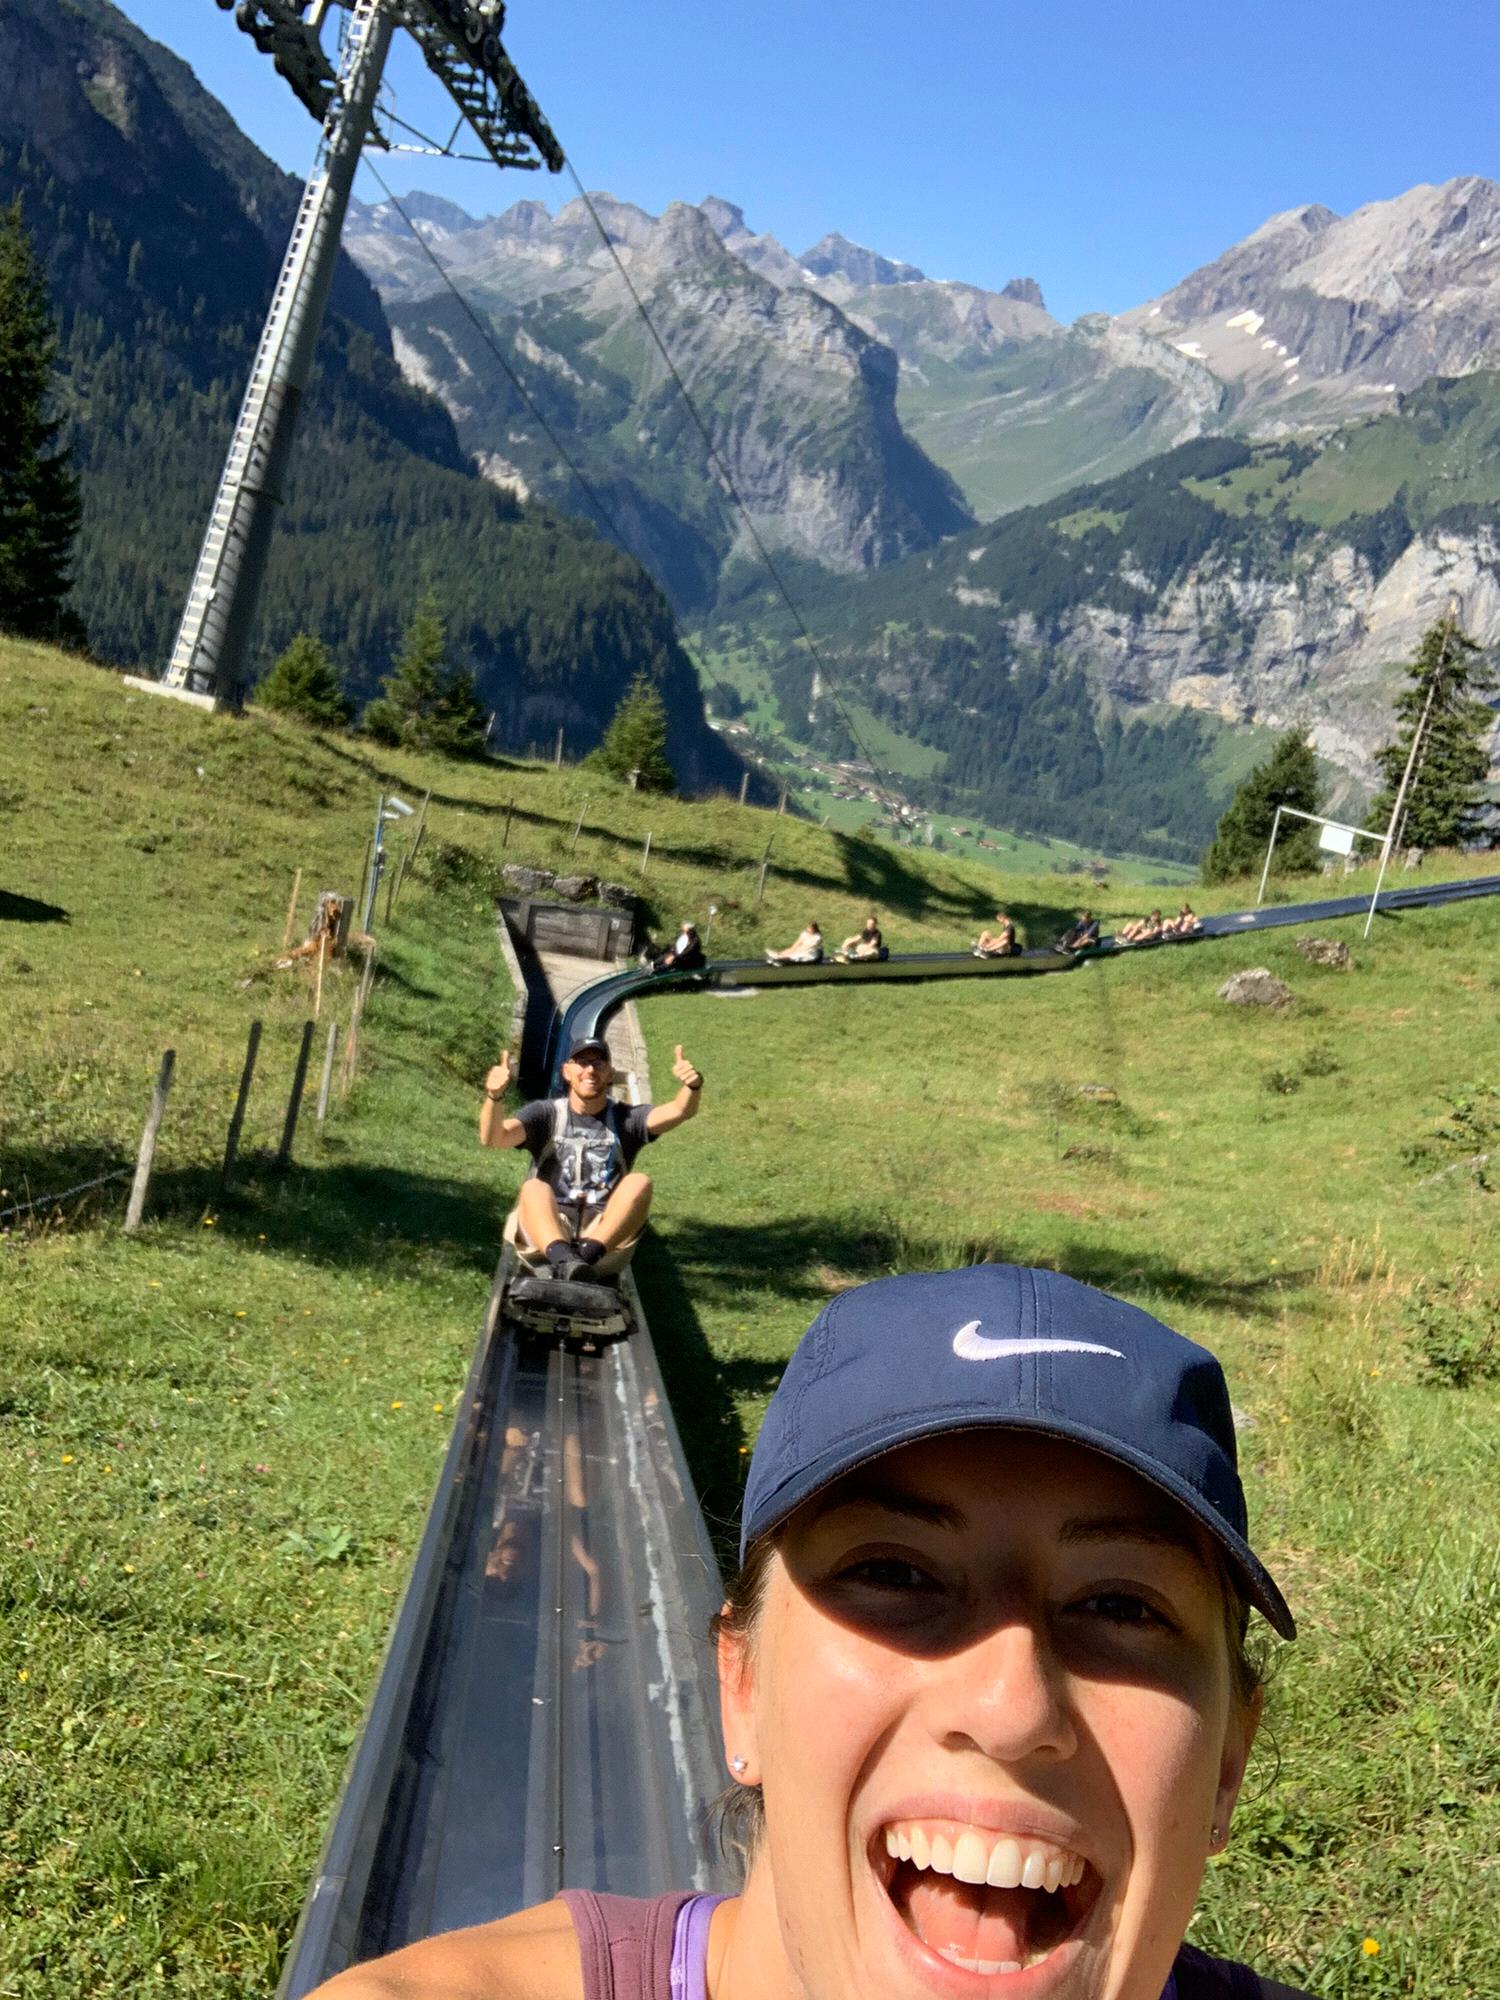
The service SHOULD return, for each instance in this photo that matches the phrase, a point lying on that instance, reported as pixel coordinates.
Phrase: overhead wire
(717, 459)
(606, 519)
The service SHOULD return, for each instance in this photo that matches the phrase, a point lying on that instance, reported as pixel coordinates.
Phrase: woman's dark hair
(740, 1809)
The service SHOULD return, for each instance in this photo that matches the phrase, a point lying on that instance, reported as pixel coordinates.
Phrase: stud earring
(739, 1766)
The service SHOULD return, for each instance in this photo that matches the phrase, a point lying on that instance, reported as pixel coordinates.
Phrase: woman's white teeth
(1001, 1861)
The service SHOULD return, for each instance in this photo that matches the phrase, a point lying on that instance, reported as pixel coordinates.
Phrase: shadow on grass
(805, 1261)
(16, 909)
(330, 1212)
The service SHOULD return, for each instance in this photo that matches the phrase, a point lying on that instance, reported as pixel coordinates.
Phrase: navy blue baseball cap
(1002, 1347)
(588, 1045)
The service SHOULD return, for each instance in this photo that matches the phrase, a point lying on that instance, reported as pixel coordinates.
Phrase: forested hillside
(161, 227)
(1239, 584)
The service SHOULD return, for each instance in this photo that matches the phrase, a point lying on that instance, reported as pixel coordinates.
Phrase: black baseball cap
(1000, 1346)
(589, 1045)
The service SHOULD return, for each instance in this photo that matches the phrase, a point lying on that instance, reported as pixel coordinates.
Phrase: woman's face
(982, 1660)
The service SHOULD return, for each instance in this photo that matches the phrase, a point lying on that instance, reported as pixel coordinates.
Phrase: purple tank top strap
(625, 1943)
(690, 1948)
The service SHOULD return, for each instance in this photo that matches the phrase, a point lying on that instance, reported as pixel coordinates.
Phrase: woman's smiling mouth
(988, 1903)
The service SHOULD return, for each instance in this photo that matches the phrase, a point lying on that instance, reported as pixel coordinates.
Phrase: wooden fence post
(646, 851)
(294, 1102)
(146, 1157)
(390, 890)
(744, 785)
(421, 826)
(781, 808)
(356, 1015)
(557, 753)
(291, 912)
(322, 965)
(578, 823)
(236, 1123)
(327, 1083)
(765, 862)
(510, 806)
(401, 876)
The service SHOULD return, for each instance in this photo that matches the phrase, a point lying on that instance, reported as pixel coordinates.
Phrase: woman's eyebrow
(1163, 1530)
(890, 1500)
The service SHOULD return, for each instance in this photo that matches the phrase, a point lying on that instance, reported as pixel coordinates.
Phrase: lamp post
(389, 807)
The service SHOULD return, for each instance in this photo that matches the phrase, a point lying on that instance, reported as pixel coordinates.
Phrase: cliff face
(1320, 647)
(799, 402)
(1315, 316)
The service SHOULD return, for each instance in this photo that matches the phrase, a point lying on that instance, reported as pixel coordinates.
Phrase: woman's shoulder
(530, 1956)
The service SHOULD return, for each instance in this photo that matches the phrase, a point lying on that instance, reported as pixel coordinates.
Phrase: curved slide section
(592, 1005)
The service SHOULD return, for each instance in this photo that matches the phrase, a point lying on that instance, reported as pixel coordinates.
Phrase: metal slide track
(545, 1715)
(592, 1006)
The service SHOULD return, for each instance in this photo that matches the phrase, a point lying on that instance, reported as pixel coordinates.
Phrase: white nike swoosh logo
(969, 1344)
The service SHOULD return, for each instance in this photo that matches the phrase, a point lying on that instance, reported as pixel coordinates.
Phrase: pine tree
(1445, 804)
(1289, 777)
(427, 704)
(305, 683)
(39, 509)
(636, 739)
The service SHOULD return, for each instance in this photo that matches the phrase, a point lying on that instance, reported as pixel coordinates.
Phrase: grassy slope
(849, 1133)
(219, 1438)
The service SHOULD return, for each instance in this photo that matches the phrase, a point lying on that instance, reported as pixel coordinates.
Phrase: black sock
(588, 1251)
(559, 1253)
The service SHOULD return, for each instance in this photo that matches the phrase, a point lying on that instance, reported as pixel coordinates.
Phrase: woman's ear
(737, 1705)
(1239, 1739)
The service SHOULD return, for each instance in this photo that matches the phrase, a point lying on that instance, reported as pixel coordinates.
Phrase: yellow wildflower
(67, 1458)
(1371, 1947)
(398, 1406)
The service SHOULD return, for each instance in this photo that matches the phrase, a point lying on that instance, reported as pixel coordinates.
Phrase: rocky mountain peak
(724, 216)
(835, 256)
(524, 218)
(682, 239)
(1025, 290)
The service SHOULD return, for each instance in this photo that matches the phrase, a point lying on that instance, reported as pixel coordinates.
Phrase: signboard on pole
(1336, 839)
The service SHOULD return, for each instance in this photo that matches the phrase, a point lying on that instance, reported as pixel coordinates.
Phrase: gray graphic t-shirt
(582, 1158)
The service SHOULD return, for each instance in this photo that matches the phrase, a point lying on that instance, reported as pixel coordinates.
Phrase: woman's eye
(1124, 1607)
(888, 1573)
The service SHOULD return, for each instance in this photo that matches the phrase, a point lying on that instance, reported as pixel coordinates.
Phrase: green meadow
(218, 1438)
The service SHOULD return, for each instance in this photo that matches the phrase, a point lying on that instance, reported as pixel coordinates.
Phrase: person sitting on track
(584, 1197)
(683, 954)
(998, 943)
(1184, 924)
(985, 1689)
(1142, 930)
(865, 943)
(806, 950)
(1083, 936)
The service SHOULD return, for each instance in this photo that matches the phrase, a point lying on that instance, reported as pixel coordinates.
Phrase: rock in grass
(1255, 987)
(526, 881)
(1326, 951)
(618, 895)
(1099, 1093)
(576, 888)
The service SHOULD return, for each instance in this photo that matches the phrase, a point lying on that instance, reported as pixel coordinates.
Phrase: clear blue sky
(1105, 150)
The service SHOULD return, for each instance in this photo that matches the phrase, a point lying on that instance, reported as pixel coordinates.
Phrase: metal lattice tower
(460, 41)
